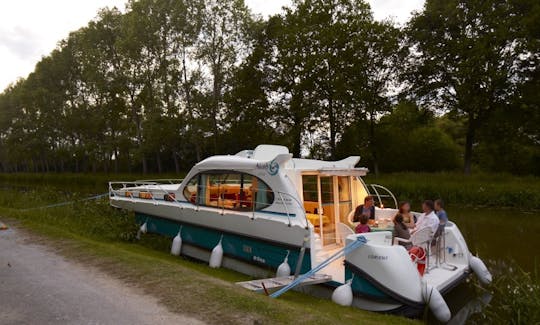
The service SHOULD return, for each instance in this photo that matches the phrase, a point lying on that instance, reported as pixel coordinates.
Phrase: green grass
(493, 190)
(96, 235)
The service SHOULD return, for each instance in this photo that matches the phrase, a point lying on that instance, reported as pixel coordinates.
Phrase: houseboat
(264, 205)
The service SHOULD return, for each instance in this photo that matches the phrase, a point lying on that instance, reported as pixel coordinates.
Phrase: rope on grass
(95, 197)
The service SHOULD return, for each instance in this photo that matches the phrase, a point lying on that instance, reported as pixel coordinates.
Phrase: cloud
(267, 7)
(30, 29)
(398, 10)
(20, 42)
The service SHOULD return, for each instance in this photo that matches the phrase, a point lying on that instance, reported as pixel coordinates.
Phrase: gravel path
(38, 286)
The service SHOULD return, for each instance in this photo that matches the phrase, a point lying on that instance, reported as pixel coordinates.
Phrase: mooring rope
(360, 240)
(95, 197)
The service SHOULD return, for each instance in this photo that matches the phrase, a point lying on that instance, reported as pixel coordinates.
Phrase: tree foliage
(163, 84)
(468, 57)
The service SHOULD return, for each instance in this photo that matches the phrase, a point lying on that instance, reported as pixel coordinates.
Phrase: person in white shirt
(428, 218)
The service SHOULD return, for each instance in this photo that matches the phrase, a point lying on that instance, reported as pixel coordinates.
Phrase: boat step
(276, 283)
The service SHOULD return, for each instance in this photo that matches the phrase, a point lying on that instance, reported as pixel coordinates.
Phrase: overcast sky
(30, 29)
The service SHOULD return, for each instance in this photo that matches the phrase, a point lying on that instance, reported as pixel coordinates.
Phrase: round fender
(480, 269)
(217, 255)
(144, 228)
(284, 269)
(343, 295)
(176, 245)
(436, 303)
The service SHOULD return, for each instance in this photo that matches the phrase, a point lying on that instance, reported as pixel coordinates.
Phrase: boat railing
(152, 191)
(380, 192)
(161, 181)
(128, 189)
(300, 206)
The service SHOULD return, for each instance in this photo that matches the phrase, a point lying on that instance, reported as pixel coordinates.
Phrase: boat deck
(441, 278)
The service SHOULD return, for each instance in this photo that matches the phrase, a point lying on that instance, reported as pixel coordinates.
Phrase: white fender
(217, 255)
(436, 303)
(284, 269)
(176, 247)
(343, 294)
(480, 269)
(144, 228)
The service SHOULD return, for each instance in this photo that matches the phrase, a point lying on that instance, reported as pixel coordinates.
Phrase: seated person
(428, 218)
(405, 212)
(367, 209)
(439, 208)
(401, 230)
(362, 226)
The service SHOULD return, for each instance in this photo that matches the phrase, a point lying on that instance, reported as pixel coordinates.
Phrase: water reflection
(500, 234)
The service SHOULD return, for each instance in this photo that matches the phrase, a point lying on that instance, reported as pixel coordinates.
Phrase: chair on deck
(343, 231)
(438, 245)
(421, 238)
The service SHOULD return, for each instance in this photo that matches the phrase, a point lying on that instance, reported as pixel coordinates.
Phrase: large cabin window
(229, 190)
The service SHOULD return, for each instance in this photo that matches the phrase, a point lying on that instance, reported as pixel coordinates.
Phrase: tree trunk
(158, 162)
(176, 163)
(116, 161)
(216, 95)
(373, 144)
(469, 142)
(144, 164)
(297, 139)
(332, 117)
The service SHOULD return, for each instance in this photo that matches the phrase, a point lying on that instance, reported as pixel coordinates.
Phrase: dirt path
(38, 286)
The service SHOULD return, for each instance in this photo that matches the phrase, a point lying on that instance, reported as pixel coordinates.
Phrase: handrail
(286, 209)
(142, 183)
(379, 196)
(299, 204)
(279, 198)
(161, 180)
(390, 194)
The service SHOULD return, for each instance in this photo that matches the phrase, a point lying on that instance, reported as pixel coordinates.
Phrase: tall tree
(324, 58)
(463, 57)
(223, 43)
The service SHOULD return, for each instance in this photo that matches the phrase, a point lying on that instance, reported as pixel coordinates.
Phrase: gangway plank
(271, 284)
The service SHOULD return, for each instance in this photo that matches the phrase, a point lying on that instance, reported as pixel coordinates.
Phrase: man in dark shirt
(367, 209)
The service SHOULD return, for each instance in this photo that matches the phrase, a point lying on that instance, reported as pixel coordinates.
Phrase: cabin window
(229, 190)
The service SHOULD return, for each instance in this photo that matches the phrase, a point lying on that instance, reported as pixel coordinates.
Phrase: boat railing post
(253, 204)
(111, 190)
(285, 206)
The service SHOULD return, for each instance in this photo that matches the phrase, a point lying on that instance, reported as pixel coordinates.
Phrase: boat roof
(265, 155)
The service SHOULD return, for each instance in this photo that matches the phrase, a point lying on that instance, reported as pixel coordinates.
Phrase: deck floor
(440, 277)
(336, 269)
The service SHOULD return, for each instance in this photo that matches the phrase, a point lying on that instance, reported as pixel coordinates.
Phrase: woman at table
(405, 212)
(366, 209)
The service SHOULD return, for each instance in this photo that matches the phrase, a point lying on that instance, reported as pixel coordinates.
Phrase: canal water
(504, 239)
(500, 236)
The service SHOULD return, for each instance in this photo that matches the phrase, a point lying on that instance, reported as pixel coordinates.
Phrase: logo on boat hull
(271, 167)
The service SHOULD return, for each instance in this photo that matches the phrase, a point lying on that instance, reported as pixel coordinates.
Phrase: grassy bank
(96, 235)
(493, 190)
